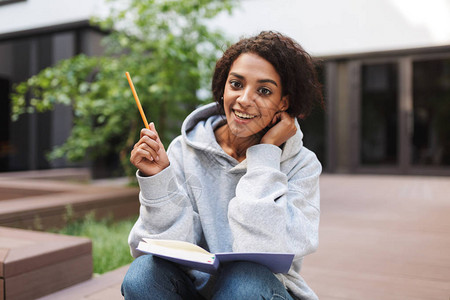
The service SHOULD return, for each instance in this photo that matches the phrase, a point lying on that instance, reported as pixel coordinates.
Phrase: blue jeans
(153, 278)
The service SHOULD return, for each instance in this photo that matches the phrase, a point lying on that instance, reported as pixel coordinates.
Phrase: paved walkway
(381, 237)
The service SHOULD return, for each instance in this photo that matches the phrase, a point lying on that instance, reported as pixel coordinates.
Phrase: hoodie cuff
(155, 187)
(264, 155)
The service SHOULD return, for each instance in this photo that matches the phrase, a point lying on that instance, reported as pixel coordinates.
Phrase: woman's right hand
(148, 154)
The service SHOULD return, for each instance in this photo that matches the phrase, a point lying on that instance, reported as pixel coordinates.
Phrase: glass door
(378, 115)
(430, 139)
(402, 115)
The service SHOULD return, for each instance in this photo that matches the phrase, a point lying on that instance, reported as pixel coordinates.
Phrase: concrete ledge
(34, 264)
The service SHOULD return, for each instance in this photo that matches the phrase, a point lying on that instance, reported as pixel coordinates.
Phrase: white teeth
(243, 116)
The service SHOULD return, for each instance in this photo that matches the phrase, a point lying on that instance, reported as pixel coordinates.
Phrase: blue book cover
(195, 257)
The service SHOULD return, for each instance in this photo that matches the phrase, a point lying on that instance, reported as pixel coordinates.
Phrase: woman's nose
(246, 97)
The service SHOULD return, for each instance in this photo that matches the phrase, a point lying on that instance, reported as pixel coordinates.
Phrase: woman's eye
(265, 91)
(235, 84)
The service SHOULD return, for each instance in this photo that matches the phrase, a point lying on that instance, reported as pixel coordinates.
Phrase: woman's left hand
(283, 129)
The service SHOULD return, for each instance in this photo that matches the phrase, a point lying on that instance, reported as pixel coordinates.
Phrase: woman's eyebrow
(259, 81)
(237, 75)
(268, 81)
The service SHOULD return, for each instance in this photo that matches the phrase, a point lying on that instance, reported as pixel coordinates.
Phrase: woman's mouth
(243, 116)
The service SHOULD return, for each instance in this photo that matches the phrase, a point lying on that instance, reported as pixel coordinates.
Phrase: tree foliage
(170, 53)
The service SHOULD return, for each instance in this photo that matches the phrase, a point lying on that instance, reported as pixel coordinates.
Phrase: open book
(195, 257)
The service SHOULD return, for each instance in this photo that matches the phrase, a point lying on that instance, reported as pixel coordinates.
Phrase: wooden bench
(42, 204)
(34, 264)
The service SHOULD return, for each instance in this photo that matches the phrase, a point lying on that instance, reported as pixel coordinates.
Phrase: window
(431, 112)
(379, 114)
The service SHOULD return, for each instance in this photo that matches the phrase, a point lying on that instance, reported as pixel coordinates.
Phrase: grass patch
(109, 240)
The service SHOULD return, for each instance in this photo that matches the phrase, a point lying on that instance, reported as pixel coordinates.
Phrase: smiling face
(252, 95)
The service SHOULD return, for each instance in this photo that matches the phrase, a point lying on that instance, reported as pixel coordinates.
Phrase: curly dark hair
(294, 65)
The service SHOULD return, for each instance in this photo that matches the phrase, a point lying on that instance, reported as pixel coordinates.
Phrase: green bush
(109, 240)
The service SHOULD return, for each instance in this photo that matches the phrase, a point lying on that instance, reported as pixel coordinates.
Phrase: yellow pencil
(138, 103)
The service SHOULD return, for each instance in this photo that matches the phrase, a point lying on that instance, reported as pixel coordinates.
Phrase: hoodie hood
(198, 132)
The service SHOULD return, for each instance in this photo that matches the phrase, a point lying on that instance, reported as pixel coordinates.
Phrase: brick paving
(381, 237)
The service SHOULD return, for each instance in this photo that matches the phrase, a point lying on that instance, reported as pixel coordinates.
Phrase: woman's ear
(284, 103)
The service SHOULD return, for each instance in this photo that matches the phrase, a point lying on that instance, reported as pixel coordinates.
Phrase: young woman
(238, 179)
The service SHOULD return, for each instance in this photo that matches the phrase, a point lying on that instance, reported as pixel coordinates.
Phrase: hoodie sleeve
(274, 211)
(166, 211)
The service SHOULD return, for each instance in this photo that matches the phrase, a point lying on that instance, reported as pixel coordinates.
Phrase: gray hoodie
(267, 203)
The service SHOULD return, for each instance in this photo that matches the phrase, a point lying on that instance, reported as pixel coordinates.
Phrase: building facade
(388, 112)
(385, 112)
(25, 143)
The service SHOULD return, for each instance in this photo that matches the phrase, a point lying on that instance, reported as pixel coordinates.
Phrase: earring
(221, 98)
